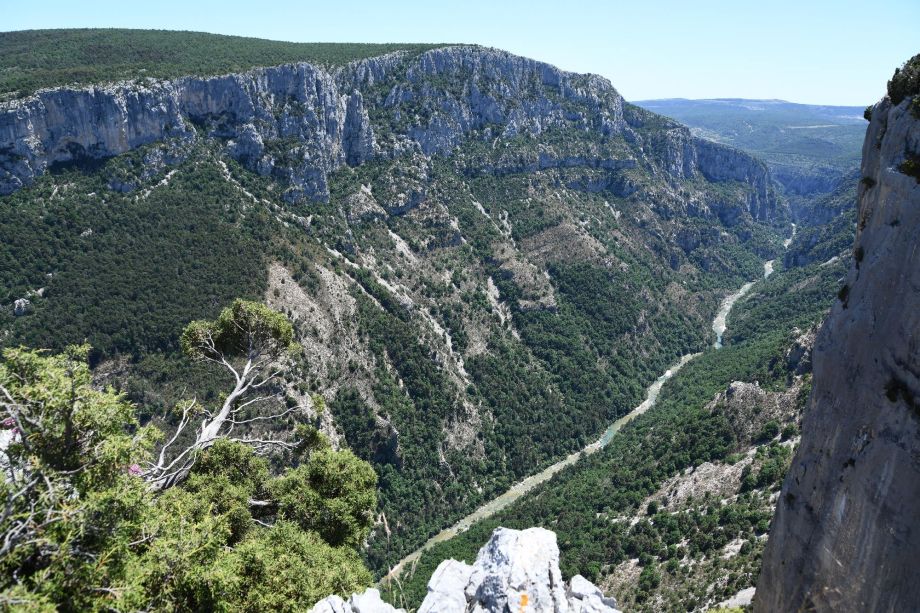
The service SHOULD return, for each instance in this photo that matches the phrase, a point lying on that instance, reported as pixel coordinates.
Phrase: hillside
(674, 513)
(471, 245)
(808, 147)
(34, 59)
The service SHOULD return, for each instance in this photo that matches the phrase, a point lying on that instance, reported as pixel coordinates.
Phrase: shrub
(768, 431)
(905, 81)
(911, 167)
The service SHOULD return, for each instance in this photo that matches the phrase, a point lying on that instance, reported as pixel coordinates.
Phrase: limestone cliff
(517, 570)
(300, 122)
(845, 536)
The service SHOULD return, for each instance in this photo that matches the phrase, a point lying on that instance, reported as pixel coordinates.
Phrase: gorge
(520, 323)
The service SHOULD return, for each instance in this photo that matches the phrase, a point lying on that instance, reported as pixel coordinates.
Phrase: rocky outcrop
(517, 570)
(21, 306)
(720, 163)
(845, 536)
(298, 122)
(315, 127)
(368, 602)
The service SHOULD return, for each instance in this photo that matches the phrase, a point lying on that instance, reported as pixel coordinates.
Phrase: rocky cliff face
(299, 122)
(845, 536)
(517, 570)
(478, 203)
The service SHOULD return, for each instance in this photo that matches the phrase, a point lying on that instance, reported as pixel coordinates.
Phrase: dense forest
(34, 59)
(598, 507)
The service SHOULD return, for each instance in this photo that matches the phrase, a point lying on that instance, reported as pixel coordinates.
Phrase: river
(719, 324)
(519, 489)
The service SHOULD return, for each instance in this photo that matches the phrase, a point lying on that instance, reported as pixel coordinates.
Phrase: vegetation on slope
(90, 525)
(125, 271)
(597, 507)
(186, 239)
(34, 59)
(449, 304)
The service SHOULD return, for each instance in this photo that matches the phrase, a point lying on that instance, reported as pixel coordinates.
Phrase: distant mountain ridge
(808, 147)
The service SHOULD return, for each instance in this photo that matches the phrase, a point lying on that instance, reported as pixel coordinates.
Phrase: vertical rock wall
(846, 536)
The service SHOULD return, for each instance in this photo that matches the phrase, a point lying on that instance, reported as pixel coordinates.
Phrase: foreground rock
(368, 602)
(517, 570)
(845, 536)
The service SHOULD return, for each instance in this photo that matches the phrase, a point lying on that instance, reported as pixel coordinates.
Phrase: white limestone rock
(447, 588)
(21, 306)
(585, 597)
(331, 604)
(368, 602)
(518, 570)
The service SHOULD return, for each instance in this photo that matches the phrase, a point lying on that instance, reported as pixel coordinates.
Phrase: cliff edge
(846, 535)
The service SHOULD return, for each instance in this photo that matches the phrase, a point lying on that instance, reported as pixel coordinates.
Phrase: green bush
(768, 432)
(86, 531)
(905, 81)
(911, 167)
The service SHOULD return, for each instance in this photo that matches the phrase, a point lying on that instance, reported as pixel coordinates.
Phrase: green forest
(582, 503)
(35, 59)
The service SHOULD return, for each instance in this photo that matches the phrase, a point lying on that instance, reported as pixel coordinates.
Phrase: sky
(810, 51)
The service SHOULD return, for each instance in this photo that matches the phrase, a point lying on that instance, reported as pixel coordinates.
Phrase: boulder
(585, 597)
(447, 588)
(21, 307)
(368, 602)
(517, 570)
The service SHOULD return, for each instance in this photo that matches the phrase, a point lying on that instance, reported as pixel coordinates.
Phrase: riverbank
(516, 491)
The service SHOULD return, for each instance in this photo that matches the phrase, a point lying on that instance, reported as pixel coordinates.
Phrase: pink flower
(134, 469)
(8, 423)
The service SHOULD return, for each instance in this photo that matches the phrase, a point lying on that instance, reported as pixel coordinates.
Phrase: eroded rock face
(299, 122)
(845, 536)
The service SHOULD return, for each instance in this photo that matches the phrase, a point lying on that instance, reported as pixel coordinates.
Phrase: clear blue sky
(815, 51)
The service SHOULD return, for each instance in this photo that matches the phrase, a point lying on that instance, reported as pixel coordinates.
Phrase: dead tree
(252, 343)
